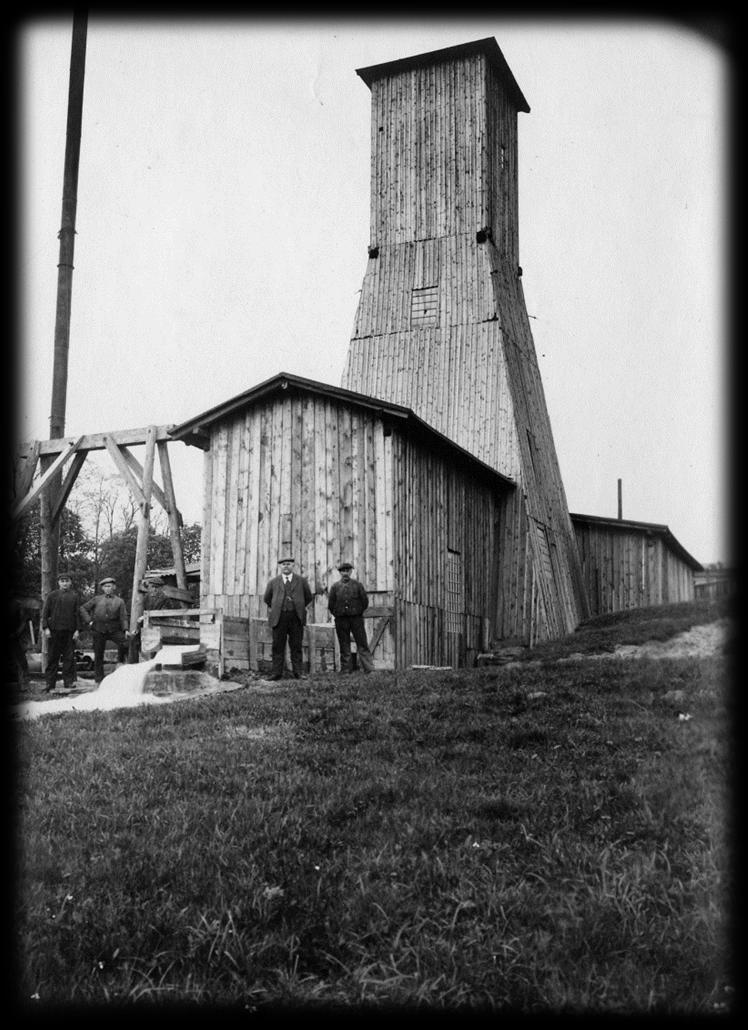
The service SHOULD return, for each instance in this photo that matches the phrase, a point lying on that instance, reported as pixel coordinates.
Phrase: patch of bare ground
(697, 642)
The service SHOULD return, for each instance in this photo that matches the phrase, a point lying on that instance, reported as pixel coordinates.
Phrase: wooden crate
(225, 638)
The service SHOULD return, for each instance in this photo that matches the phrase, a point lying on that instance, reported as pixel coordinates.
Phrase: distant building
(627, 564)
(714, 581)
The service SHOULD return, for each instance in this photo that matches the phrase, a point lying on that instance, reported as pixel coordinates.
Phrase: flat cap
(344, 565)
(107, 580)
(154, 581)
(285, 557)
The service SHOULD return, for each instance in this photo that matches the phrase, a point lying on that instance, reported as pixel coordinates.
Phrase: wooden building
(442, 326)
(715, 581)
(433, 467)
(326, 473)
(629, 564)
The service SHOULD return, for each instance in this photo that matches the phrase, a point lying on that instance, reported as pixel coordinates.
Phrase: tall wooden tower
(442, 326)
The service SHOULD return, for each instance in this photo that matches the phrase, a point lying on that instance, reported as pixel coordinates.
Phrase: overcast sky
(223, 223)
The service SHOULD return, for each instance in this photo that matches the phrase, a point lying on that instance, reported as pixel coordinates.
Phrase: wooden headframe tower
(442, 325)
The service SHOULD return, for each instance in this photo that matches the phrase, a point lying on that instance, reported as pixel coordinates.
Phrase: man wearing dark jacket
(347, 602)
(107, 614)
(287, 597)
(61, 621)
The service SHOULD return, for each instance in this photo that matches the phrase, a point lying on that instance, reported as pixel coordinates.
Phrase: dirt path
(697, 642)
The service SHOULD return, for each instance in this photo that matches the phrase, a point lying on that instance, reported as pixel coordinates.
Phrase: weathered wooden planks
(441, 324)
(628, 566)
(344, 481)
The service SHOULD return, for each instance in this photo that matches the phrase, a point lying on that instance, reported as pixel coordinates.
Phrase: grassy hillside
(539, 837)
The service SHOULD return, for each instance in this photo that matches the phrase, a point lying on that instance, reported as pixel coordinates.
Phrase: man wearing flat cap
(107, 614)
(61, 622)
(287, 597)
(154, 597)
(347, 602)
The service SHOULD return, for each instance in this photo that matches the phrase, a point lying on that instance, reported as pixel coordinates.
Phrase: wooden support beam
(124, 469)
(141, 547)
(44, 479)
(181, 613)
(175, 519)
(25, 474)
(378, 635)
(137, 468)
(67, 485)
(98, 441)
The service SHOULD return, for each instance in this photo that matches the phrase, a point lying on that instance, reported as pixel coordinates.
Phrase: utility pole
(50, 529)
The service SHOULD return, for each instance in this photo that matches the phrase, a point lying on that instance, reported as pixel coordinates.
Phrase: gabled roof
(488, 46)
(648, 528)
(193, 431)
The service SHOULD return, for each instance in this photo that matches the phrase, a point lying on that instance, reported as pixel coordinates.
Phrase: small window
(424, 306)
(455, 601)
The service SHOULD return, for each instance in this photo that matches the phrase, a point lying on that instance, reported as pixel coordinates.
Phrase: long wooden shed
(327, 473)
(628, 564)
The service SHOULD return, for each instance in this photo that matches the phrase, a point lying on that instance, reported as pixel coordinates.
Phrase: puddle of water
(132, 685)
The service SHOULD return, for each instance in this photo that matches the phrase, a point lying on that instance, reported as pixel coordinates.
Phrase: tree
(118, 555)
(98, 534)
(76, 553)
(192, 542)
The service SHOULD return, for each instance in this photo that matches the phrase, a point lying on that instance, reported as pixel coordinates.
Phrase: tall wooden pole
(50, 527)
(173, 513)
(144, 521)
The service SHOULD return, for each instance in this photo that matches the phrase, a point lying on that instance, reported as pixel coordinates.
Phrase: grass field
(545, 836)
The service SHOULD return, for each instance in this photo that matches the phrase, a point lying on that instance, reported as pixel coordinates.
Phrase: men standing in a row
(108, 615)
(287, 597)
(348, 601)
(61, 623)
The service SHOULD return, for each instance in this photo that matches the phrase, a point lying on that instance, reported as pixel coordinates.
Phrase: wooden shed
(327, 473)
(442, 326)
(715, 581)
(629, 564)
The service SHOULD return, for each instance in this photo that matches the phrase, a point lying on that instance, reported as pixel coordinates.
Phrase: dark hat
(285, 557)
(64, 574)
(107, 580)
(344, 565)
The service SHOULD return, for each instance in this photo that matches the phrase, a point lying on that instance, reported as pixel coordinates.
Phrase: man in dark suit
(61, 623)
(287, 597)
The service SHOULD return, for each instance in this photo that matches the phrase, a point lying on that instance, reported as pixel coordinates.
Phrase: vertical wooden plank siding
(297, 476)
(253, 503)
(218, 528)
(206, 533)
(444, 166)
(265, 559)
(629, 568)
(307, 501)
(242, 494)
(235, 435)
(398, 506)
(441, 510)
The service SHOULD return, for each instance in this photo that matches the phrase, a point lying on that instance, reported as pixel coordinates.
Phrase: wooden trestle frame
(139, 479)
